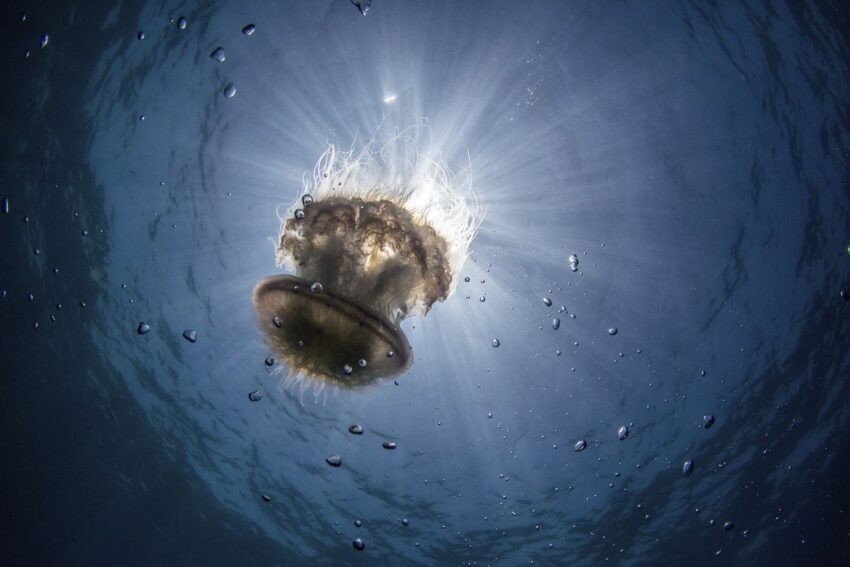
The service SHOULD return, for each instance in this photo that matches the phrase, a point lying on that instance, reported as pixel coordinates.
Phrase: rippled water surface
(646, 358)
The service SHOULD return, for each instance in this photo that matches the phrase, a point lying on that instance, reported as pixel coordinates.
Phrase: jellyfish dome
(376, 235)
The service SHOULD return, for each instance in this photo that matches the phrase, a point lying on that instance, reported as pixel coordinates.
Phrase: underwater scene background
(690, 406)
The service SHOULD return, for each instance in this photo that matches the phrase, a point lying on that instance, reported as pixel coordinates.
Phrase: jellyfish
(376, 235)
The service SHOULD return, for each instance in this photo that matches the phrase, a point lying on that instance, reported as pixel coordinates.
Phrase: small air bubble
(390, 445)
(190, 335)
(362, 363)
(316, 287)
(182, 23)
(219, 55)
(580, 445)
(255, 396)
(334, 460)
(556, 323)
(347, 369)
(496, 343)
(547, 302)
(612, 331)
(299, 214)
(249, 30)
(143, 328)
(307, 200)
(356, 429)
(622, 433)
(230, 90)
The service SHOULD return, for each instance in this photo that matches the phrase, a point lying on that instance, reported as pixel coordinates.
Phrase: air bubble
(622, 433)
(708, 421)
(580, 445)
(316, 287)
(389, 445)
(347, 369)
(299, 214)
(573, 260)
(356, 429)
(687, 468)
(249, 30)
(190, 335)
(182, 23)
(334, 460)
(362, 363)
(547, 302)
(556, 323)
(143, 328)
(612, 331)
(307, 200)
(496, 343)
(358, 544)
(230, 90)
(219, 55)
(255, 396)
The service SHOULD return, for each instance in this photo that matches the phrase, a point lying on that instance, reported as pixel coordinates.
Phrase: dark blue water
(693, 156)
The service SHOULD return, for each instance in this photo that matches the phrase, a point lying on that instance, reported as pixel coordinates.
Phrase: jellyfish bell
(375, 236)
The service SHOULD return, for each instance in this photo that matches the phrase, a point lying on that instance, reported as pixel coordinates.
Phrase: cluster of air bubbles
(573, 260)
(255, 396)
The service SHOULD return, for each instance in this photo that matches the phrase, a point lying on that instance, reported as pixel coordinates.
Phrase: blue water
(693, 155)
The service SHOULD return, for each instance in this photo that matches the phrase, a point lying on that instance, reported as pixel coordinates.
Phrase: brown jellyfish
(375, 236)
